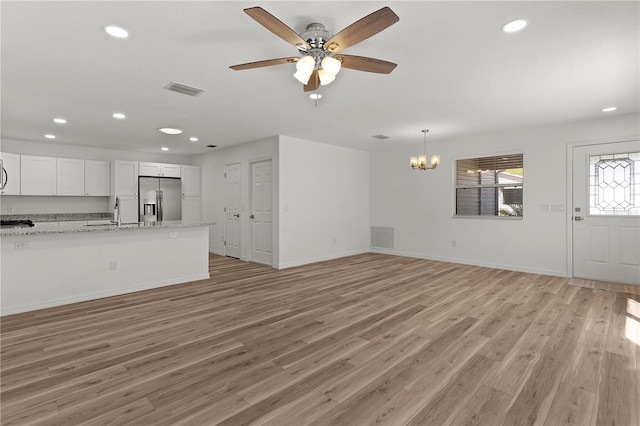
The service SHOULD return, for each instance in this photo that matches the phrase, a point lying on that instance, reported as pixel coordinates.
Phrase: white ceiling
(457, 73)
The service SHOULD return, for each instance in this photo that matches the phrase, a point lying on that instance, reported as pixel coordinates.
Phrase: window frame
(495, 186)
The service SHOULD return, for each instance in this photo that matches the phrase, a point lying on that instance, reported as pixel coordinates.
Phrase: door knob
(237, 215)
(252, 216)
(578, 218)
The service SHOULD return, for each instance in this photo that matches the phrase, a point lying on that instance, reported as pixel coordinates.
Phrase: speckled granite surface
(58, 217)
(75, 228)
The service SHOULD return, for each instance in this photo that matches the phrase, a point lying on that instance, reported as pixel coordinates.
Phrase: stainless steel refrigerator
(160, 199)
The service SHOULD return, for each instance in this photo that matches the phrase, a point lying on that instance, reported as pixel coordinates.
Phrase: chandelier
(420, 162)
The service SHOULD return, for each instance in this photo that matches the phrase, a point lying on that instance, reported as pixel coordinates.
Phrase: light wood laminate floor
(368, 339)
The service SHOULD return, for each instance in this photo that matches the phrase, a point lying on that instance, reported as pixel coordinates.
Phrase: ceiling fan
(320, 60)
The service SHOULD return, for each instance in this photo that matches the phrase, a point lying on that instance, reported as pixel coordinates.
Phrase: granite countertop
(58, 217)
(76, 228)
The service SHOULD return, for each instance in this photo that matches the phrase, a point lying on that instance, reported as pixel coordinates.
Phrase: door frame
(569, 188)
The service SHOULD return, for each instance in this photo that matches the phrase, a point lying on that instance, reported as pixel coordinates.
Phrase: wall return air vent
(382, 237)
(185, 90)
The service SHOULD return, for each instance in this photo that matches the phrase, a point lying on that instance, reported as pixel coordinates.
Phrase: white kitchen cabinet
(191, 209)
(70, 176)
(159, 170)
(97, 178)
(124, 178)
(191, 181)
(10, 174)
(37, 175)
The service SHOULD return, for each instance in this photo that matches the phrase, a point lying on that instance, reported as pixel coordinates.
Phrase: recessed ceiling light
(513, 26)
(170, 131)
(119, 116)
(116, 32)
(193, 139)
(315, 96)
(609, 109)
(49, 136)
(60, 120)
(164, 148)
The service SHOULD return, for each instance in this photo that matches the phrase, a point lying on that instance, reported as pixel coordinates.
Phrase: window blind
(490, 186)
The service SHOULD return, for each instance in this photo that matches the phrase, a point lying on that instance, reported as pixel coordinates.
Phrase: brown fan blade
(314, 82)
(276, 26)
(267, 63)
(362, 63)
(361, 30)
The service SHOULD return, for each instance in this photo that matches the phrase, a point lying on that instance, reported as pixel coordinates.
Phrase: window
(614, 184)
(490, 186)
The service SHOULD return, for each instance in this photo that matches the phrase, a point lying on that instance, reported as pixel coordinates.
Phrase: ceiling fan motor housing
(316, 35)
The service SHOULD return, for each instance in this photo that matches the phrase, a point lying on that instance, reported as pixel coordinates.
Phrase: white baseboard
(317, 259)
(474, 263)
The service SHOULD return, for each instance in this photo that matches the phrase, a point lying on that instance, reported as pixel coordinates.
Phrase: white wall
(213, 165)
(14, 204)
(420, 205)
(324, 201)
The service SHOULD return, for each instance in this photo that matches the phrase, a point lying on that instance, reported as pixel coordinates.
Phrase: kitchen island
(45, 267)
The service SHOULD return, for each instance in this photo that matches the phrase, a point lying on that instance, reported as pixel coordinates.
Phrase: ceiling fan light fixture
(331, 65)
(306, 64)
(325, 77)
(302, 76)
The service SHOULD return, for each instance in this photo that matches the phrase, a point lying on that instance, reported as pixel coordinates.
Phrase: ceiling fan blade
(276, 26)
(267, 63)
(314, 82)
(362, 63)
(361, 30)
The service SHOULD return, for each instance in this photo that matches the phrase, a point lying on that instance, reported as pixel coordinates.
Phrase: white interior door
(232, 209)
(261, 217)
(606, 212)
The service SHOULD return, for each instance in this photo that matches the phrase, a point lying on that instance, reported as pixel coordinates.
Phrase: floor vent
(381, 237)
(185, 90)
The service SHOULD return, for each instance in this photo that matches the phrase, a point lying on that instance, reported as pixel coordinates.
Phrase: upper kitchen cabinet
(37, 175)
(70, 176)
(10, 179)
(191, 181)
(124, 178)
(97, 178)
(159, 170)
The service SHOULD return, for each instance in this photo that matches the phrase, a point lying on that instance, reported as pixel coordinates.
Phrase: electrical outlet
(21, 245)
(113, 265)
(173, 234)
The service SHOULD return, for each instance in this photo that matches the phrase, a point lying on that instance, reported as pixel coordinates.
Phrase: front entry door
(261, 218)
(606, 212)
(232, 209)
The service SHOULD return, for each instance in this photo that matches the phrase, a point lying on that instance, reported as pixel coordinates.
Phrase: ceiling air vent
(185, 90)
(211, 146)
(381, 137)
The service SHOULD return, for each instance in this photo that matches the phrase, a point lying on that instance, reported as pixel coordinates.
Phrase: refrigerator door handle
(159, 204)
